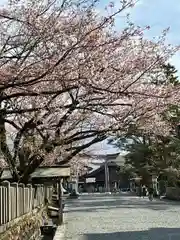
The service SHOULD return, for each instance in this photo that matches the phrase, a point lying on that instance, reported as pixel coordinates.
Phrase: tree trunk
(6, 152)
(34, 162)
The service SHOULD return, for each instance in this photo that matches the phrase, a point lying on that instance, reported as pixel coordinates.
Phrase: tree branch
(81, 148)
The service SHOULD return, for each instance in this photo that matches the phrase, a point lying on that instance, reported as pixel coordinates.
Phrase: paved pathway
(122, 218)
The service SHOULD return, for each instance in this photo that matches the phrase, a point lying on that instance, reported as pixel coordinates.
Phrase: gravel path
(121, 218)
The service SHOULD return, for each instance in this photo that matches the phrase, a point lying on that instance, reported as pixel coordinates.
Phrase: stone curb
(107, 194)
(60, 233)
(61, 230)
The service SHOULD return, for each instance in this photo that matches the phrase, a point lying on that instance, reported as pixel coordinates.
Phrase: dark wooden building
(96, 179)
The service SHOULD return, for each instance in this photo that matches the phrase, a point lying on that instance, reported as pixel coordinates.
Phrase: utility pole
(106, 168)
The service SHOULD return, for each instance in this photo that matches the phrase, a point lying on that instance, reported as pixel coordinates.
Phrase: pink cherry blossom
(68, 79)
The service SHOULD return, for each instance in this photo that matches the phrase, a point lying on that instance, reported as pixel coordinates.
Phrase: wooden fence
(18, 199)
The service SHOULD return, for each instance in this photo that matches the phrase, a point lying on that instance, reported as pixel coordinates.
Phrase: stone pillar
(5, 203)
(154, 182)
(22, 198)
(60, 202)
(2, 205)
(106, 169)
(35, 196)
(30, 207)
(6, 184)
(57, 187)
(16, 199)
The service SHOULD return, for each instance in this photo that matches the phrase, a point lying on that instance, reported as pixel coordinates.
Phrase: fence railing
(19, 199)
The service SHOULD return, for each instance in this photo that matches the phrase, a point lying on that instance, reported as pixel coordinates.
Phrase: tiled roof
(43, 172)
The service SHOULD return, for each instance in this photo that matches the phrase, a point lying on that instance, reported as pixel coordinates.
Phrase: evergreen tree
(155, 154)
(171, 73)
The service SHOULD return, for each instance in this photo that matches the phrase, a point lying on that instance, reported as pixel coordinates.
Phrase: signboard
(90, 180)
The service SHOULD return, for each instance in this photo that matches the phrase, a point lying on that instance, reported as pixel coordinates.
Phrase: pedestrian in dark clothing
(151, 191)
(144, 191)
(140, 191)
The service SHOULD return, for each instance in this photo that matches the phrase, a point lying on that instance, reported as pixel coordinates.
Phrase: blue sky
(159, 14)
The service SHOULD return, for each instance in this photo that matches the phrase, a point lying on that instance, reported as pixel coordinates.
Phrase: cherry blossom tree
(68, 80)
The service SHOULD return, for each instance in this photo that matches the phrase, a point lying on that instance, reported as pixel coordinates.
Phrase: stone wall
(17, 200)
(26, 227)
(173, 193)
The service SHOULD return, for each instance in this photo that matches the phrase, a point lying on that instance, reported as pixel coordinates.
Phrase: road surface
(121, 218)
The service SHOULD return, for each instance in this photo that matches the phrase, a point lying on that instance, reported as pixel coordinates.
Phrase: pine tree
(171, 73)
(154, 154)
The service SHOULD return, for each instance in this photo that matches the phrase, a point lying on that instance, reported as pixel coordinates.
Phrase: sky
(158, 14)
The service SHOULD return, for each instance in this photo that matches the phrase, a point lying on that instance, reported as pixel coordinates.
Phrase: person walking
(140, 191)
(150, 191)
(144, 191)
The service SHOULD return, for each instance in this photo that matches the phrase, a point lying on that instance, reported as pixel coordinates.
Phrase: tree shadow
(151, 234)
(106, 208)
(96, 204)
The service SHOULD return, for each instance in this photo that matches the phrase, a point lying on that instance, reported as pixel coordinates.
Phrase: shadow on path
(151, 234)
(97, 204)
(95, 209)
